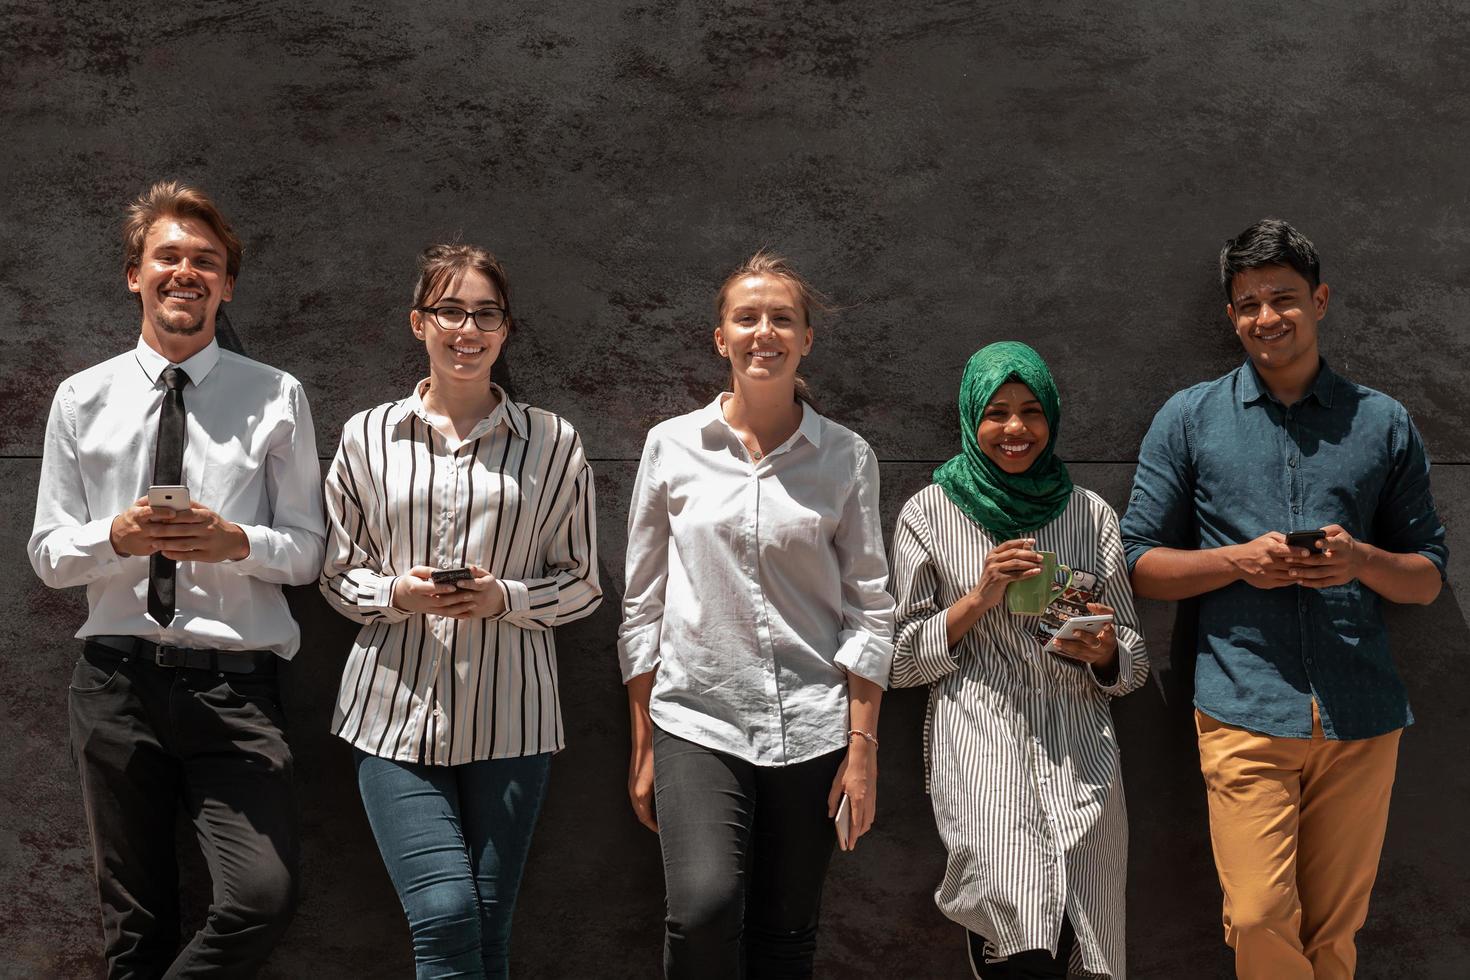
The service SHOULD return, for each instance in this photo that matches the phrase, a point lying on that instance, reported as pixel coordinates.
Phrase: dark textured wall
(953, 173)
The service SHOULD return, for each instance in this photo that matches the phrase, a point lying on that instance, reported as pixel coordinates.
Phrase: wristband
(869, 737)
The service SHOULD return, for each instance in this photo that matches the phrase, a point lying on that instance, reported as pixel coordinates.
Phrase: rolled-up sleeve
(1406, 521)
(921, 651)
(647, 567)
(1117, 592)
(865, 642)
(1160, 506)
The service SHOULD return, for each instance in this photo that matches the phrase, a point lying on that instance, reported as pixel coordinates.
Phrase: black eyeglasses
(489, 319)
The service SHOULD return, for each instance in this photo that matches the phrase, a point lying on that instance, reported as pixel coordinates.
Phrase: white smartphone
(843, 821)
(174, 498)
(1075, 625)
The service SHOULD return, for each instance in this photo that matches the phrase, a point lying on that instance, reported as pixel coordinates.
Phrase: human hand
(1338, 564)
(1265, 562)
(416, 592)
(196, 534)
(133, 530)
(1099, 649)
(474, 598)
(640, 784)
(857, 776)
(1007, 562)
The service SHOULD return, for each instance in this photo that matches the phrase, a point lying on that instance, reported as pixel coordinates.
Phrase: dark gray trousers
(745, 852)
(145, 738)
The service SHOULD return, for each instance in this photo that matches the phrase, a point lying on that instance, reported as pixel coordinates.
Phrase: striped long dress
(1019, 747)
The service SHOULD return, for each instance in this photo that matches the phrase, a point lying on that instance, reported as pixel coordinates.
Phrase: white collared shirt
(249, 454)
(754, 588)
(515, 496)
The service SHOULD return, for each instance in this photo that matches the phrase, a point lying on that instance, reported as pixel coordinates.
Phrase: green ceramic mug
(1031, 596)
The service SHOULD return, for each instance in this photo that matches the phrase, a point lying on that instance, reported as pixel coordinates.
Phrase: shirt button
(1291, 461)
(1309, 661)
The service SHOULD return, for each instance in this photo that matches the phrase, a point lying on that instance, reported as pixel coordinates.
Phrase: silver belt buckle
(168, 656)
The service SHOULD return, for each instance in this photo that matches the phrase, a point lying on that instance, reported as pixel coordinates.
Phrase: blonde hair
(768, 263)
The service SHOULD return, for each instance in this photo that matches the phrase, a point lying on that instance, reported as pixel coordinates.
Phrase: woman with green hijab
(1020, 755)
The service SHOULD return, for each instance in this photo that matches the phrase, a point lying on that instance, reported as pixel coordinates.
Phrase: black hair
(1269, 241)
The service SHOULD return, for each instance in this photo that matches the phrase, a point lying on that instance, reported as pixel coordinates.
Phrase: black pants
(145, 737)
(1030, 964)
(745, 852)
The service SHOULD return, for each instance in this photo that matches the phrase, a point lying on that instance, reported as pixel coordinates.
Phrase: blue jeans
(454, 840)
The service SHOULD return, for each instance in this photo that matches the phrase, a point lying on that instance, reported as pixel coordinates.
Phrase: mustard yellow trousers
(1297, 827)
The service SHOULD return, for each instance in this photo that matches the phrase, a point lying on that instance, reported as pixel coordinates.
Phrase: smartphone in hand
(843, 822)
(1077, 624)
(448, 576)
(1306, 539)
(168, 497)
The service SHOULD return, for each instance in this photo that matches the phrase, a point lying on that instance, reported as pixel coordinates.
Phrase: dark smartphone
(448, 576)
(1305, 539)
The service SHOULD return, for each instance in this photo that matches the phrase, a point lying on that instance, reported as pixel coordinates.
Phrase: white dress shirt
(249, 454)
(754, 588)
(515, 496)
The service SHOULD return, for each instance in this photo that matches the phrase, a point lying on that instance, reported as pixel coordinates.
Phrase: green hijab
(1006, 504)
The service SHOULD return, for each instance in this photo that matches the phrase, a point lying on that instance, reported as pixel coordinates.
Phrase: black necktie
(168, 470)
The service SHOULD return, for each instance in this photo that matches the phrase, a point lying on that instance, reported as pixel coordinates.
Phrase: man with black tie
(174, 698)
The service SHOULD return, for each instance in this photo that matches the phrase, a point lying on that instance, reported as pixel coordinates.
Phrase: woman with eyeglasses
(461, 532)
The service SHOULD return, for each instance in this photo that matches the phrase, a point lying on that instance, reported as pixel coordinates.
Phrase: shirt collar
(196, 367)
(810, 427)
(507, 413)
(1325, 384)
(1253, 389)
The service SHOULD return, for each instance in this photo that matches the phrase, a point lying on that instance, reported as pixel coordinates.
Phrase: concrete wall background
(953, 173)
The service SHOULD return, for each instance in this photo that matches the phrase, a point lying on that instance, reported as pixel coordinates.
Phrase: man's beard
(161, 324)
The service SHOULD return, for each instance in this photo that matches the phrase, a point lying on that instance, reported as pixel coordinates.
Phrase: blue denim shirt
(1223, 463)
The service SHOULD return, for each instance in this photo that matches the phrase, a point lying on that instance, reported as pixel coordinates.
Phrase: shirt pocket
(232, 489)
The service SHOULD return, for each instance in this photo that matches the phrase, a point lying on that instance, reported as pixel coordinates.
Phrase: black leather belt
(228, 661)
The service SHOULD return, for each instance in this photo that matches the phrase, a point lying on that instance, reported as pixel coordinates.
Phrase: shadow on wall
(592, 903)
(1174, 926)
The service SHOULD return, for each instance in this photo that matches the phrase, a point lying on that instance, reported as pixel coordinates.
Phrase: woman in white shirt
(755, 643)
(449, 696)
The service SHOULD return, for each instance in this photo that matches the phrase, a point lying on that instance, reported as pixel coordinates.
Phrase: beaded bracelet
(868, 736)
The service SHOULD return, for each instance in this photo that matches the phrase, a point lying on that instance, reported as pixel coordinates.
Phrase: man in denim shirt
(1298, 706)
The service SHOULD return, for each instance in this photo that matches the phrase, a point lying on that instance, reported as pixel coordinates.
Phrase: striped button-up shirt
(515, 497)
(1019, 744)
